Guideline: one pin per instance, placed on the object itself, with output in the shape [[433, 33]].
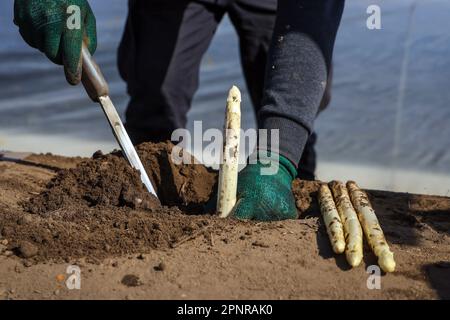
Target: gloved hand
[[266, 197], [44, 25]]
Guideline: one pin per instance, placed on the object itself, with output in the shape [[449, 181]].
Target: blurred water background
[[388, 125]]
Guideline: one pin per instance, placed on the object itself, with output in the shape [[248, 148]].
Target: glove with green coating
[[58, 29], [266, 197]]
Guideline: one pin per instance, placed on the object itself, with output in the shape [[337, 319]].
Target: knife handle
[[93, 80]]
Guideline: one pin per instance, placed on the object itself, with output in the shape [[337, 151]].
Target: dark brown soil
[[106, 180], [101, 208], [188, 187], [130, 280], [97, 232]]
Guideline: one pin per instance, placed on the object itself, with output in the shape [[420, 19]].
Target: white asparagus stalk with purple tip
[[352, 228], [331, 218], [371, 226]]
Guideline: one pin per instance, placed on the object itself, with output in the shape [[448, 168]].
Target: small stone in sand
[[27, 249], [160, 267], [27, 264], [260, 244], [8, 253]]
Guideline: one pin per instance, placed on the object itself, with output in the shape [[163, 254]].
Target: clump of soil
[[131, 280], [104, 180], [108, 180], [187, 186], [100, 207], [306, 193]]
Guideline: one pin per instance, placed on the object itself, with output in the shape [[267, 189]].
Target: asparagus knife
[[98, 90]]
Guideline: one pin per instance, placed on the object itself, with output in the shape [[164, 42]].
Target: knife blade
[[98, 90]]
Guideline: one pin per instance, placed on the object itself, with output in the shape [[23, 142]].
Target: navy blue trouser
[[160, 55]]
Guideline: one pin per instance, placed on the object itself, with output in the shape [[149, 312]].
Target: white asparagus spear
[[228, 174], [371, 226], [352, 227], [332, 220]]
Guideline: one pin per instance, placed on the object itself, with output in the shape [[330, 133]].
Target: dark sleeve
[[297, 70]]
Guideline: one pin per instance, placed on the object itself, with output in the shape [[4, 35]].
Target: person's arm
[[58, 29], [296, 78], [297, 73]]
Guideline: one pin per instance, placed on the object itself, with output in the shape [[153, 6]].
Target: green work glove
[[55, 28], [266, 197]]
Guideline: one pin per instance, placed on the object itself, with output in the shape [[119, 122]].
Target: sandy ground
[[280, 260]]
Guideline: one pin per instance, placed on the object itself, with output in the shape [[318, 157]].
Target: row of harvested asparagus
[[345, 208]]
